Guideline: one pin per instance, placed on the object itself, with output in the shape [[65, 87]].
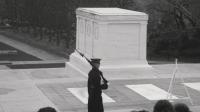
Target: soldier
[[95, 87], [95, 103]]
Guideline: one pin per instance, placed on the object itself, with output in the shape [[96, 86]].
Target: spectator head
[[47, 109], [181, 107], [163, 106], [139, 111], [143, 111]]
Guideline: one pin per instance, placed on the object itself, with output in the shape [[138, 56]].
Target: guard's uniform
[[95, 103]]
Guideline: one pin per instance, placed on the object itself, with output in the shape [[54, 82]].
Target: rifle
[[89, 61]]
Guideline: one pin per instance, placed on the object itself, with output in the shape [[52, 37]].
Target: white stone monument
[[115, 35]]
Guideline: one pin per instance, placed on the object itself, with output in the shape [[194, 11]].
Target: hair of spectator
[[47, 109], [181, 107], [163, 106]]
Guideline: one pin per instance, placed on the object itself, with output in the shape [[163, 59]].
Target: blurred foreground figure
[[163, 106], [139, 111], [47, 109], [181, 107]]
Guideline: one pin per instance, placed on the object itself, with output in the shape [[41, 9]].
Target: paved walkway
[[19, 91], [27, 90]]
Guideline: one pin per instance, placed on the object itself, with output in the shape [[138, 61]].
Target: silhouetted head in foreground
[[47, 109], [181, 107], [163, 106], [139, 111]]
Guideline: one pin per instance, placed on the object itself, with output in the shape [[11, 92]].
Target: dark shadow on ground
[[8, 53]]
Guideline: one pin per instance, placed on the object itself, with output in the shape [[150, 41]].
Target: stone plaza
[[27, 90]]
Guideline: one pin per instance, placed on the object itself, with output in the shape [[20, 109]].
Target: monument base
[[80, 64]]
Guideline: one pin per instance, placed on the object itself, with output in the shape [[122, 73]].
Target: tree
[[173, 23], [170, 10]]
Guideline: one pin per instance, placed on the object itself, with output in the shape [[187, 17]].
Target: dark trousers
[[95, 104]]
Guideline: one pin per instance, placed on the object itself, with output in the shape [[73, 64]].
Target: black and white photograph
[[99, 55]]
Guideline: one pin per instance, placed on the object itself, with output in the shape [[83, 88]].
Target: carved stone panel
[[88, 44]]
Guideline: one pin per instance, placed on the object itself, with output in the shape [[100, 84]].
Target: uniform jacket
[[95, 103]]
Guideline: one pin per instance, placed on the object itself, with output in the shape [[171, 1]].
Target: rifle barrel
[[89, 61]]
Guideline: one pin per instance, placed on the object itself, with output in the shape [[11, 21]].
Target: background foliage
[[173, 27]]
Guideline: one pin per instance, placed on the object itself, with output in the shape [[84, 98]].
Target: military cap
[[95, 60]]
